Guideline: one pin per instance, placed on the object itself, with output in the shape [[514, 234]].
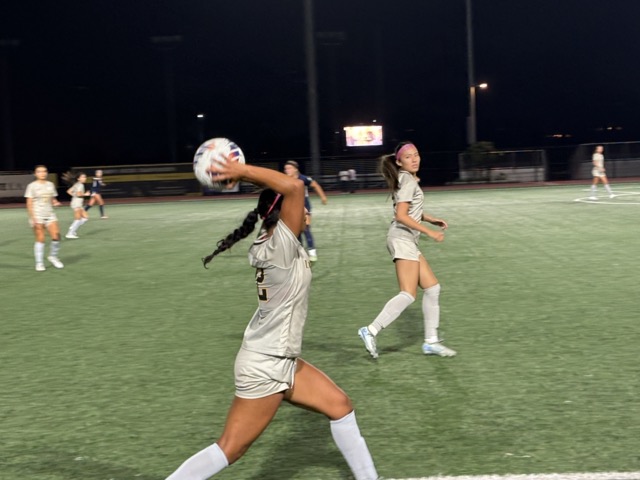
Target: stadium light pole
[[312, 88], [471, 81], [6, 133], [473, 120], [167, 44]]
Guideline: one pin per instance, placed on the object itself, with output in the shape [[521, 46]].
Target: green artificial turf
[[120, 366]]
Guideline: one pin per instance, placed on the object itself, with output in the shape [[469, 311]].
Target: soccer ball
[[212, 151]]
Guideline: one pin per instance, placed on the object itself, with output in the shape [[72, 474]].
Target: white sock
[[55, 248], [390, 312], [608, 188], [593, 189], [431, 313], [38, 252], [74, 227], [204, 464], [347, 436]]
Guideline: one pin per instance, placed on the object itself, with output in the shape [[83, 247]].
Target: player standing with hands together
[[412, 269]]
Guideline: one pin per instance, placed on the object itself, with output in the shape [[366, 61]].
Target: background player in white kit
[[599, 173], [77, 193], [268, 369], [41, 198], [412, 269]]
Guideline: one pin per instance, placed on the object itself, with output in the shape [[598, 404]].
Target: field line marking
[[545, 476]]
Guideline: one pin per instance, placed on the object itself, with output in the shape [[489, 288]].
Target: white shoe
[[313, 258], [71, 235], [593, 198], [55, 261], [438, 349], [369, 341], [40, 267], [612, 195], [104, 217]]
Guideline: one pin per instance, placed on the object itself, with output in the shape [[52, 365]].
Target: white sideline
[[547, 476]]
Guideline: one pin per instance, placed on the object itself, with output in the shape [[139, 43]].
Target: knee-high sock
[[74, 227], [102, 210], [38, 251], [347, 436], [431, 312], [54, 248], [202, 465], [390, 312]]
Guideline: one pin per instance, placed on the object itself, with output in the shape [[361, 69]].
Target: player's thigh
[[246, 420], [38, 231], [315, 391], [408, 273], [54, 230], [427, 277]]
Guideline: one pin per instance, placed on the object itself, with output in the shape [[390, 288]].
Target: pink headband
[[399, 152], [272, 205]]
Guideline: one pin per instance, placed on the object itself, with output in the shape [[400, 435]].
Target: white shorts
[[77, 203], [258, 375], [402, 248], [45, 219], [596, 172]]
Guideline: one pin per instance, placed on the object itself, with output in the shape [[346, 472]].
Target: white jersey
[[42, 194], [408, 191], [598, 165], [77, 194], [283, 277]]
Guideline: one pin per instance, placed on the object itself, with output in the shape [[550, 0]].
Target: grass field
[[119, 366]]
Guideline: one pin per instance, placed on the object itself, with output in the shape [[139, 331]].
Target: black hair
[[388, 168], [70, 177], [268, 209]]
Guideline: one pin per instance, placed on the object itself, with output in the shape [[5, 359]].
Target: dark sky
[[88, 86]]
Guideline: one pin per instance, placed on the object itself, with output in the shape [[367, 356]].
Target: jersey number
[[262, 292]]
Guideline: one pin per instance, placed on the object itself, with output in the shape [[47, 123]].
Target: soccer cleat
[[612, 195], [71, 235], [40, 267], [104, 216], [369, 341], [313, 258], [55, 261], [593, 198], [437, 348]]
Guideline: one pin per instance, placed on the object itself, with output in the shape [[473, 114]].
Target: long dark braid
[[268, 209]]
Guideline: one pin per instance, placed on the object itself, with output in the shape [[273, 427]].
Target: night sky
[[86, 84]]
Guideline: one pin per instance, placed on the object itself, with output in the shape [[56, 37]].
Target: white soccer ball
[[214, 150]]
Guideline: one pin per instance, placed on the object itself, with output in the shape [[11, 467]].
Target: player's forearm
[[273, 179]]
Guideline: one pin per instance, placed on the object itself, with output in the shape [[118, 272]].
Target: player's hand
[[230, 169], [436, 235], [440, 223]]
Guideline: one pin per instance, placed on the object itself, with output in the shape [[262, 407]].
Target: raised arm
[[292, 211]]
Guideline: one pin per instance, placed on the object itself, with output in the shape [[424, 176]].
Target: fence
[[622, 159]]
